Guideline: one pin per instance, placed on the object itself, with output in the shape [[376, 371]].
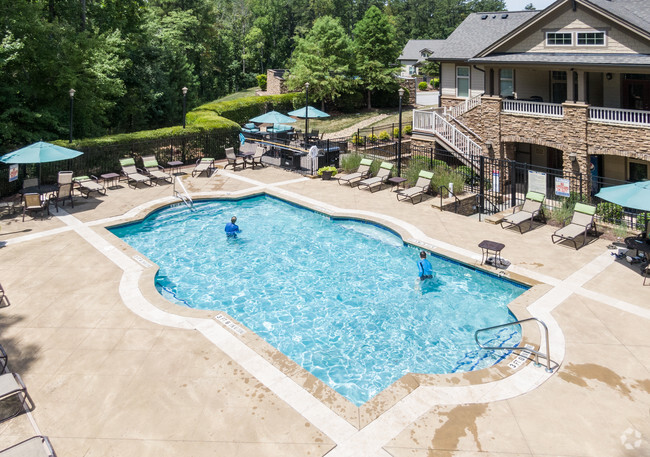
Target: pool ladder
[[547, 356], [184, 196]]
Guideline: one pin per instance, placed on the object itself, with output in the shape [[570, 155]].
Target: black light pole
[[184, 89], [399, 138], [71, 92], [306, 111]]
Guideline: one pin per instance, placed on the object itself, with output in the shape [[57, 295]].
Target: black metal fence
[[98, 160]]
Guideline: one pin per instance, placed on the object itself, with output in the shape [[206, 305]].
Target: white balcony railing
[[619, 116], [423, 120], [457, 140], [535, 108], [462, 108]]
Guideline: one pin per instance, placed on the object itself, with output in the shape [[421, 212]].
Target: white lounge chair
[[88, 184], [204, 164], [377, 181], [12, 386], [581, 222], [531, 208], [36, 446], [133, 175], [154, 170], [362, 172], [420, 188]]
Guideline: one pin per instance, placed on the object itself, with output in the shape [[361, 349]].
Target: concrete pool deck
[[111, 375]]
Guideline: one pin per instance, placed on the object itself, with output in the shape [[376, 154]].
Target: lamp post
[[306, 111], [184, 90], [399, 137], [71, 92]]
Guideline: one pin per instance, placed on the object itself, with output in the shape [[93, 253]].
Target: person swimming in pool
[[425, 270], [232, 229]]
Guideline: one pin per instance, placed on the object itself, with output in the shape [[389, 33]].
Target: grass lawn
[[241, 94]]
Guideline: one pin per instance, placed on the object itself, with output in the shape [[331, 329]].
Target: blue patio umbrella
[[308, 111], [40, 152], [635, 195], [272, 117]]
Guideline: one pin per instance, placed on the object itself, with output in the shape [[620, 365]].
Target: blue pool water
[[339, 297]]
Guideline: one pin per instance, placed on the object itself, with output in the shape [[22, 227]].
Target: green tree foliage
[[375, 50], [323, 59]]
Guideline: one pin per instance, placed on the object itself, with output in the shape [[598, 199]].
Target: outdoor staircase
[[461, 145]]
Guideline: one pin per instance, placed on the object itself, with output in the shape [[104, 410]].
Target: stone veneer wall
[[275, 83], [627, 141], [410, 85]]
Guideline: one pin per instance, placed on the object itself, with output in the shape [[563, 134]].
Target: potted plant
[[326, 173]]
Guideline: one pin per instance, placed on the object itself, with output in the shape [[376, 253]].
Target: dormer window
[[559, 38], [425, 54], [590, 38]]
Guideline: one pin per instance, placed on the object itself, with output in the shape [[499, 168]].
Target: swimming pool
[[339, 297]]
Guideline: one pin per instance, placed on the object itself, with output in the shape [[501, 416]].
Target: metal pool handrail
[[547, 356], [183, 195]]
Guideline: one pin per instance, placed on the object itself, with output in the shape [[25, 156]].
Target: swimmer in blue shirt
[[232, 229], [425, 270]]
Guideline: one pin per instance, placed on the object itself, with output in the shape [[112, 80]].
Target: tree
[[529, 7], [376, 49], [322, 58]]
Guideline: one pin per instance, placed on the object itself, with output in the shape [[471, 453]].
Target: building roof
[[636, 12], [567, 58], [413, 48], [464, 42]]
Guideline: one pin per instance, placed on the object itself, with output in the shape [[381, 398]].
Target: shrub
[[423, 86], [384, 136], [330, 169], [561, 214], [408, 129], [436, 83], [610, 212], [350, 162], [442, 177], [374, 167], [412, 171], [396, 132], [357, 140], [470, 175], [641, 220], [372, 138], [242, 109], [261, 81]]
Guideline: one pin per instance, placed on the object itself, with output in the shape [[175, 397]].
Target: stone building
[[567, 87]]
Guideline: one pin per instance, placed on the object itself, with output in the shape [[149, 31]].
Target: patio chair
[[420, 189], [63, 193], [256, 159], [36, 446], [204, 164], [233, 159], [362, 172], [154, 170], [134, 176], [88, 184], [12, 386], [581, 222], [30, 182], [531, 208], [64, 177], [10, 204], [33, 203], [377, 181]]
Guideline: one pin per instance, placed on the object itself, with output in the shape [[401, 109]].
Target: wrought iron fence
[[98, 160]]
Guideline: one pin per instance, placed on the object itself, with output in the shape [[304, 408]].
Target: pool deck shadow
[[112, 366]]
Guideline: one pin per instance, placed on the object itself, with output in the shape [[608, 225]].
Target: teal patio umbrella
[[272, 117], [308, 111], [40, 152], [635, 195]]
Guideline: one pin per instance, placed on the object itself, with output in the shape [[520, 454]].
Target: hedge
[[243, 109]]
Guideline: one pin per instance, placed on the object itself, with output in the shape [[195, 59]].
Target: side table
[[175, 165], [396, 182], [487, 246], [110, 179]]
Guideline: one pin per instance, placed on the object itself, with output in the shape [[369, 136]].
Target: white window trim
[[468, 77], [511, 79], [558, 32], [592, 45]]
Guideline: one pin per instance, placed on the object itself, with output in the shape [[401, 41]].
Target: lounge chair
[[204, 164], [420, 189], [377, 181], [362, 172], [88, 184], [154, 170], [12, 386], [3, 355], [36, 446], [33, 202], [256, 159], [645, 271], [134, 176], [233, 159], [531, 208], [63, 193], [581, 222]]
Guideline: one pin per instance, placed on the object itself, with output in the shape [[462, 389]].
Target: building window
[[638, 171], [591, 38], [424, 54], [559, 39], [462, 81], [507, 82], [411, 70]]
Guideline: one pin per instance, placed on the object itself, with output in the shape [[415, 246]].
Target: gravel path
[[346, 133]]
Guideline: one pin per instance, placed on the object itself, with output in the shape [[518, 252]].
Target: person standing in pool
[[232, 229], [425, 270]]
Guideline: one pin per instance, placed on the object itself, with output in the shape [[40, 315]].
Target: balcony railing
[[619, 116], [535, 108], [462, 108], [423, 120]]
